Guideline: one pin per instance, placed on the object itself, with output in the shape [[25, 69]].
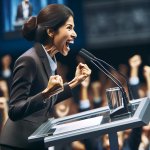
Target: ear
[[50, 33]]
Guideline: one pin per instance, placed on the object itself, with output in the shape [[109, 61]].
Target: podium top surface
[[48, 131]]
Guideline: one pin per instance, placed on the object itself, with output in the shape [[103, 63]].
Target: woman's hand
[[55, 86], [82, 72]]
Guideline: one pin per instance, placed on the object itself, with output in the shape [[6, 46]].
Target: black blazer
[[27, 109], [20, 11]]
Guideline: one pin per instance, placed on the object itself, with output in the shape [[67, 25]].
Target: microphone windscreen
[[85, 56], [87, 53]]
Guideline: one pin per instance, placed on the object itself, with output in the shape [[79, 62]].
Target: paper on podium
[[71, 126]]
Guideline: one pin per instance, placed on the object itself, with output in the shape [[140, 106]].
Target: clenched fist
[[82, 72], [55, 86]]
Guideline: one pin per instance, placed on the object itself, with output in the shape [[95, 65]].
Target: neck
[[51, 50]]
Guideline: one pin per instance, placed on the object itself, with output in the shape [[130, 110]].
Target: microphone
[[124, 77], [103, 69], [85, 56], [97, 62]]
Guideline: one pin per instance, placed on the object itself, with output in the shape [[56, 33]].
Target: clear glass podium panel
[[91, 123]]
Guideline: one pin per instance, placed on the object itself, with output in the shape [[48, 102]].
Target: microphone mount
[[98, 63], [102, 61]]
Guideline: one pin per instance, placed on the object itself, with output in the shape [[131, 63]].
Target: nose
[[74, 34]]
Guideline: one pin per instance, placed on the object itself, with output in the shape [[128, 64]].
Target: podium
[[51, 137]]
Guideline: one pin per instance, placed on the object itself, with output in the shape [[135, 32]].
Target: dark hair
[[52, 16]]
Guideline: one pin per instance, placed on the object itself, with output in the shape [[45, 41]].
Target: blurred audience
[[106, 144], [84, 103], [3, 103], [146, 74], [66, 108], [6, 67], [145, 138], [134, 63], [63, 108], [96, 94], [90, 94], [6, 71]]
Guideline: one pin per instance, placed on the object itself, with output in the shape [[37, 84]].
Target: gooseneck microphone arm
[[103, 69], [125, 99], [100, 60], [94, 61]]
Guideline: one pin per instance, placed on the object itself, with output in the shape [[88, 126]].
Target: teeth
[[68, 47], [71, 42]]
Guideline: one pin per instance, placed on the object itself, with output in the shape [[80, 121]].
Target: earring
[[51, 35]]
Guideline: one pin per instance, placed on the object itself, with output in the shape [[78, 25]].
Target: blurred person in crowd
[[24, 10], [84, 105], [123, 69], [81, 98], [63, 108], [4, 89], [106, 144], [6, 70], [96, 94], [35, 88], [77, 145], [130, 134], [66, 107], [77, 89], [134, 63], [84, 102], [146, 74], [145, 137], [125, 138], [3, 103], [98, 89]]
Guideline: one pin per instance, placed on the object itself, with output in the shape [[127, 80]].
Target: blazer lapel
[[41, 53]]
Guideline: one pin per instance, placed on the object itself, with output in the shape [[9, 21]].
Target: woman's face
[[64, 36]]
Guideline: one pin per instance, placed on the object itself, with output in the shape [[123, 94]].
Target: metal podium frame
[[139, 117]]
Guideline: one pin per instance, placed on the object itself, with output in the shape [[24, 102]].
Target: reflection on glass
[[114, 98]]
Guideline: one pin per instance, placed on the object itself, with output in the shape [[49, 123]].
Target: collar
[[51, 61]]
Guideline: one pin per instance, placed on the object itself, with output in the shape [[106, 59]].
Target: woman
[[35, 86]]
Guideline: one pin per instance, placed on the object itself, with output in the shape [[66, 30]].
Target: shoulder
[[28, 58], [26, 64], [32, 56]]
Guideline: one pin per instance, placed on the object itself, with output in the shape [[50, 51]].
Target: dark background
[[113, 30]]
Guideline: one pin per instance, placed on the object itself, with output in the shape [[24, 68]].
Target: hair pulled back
[[51, 17]]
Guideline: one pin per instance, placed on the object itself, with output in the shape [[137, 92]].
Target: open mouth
[[67, 44]]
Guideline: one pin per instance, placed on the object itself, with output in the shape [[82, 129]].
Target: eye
[[69, 28]]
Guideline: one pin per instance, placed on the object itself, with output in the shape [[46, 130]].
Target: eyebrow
[[70, 25]]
